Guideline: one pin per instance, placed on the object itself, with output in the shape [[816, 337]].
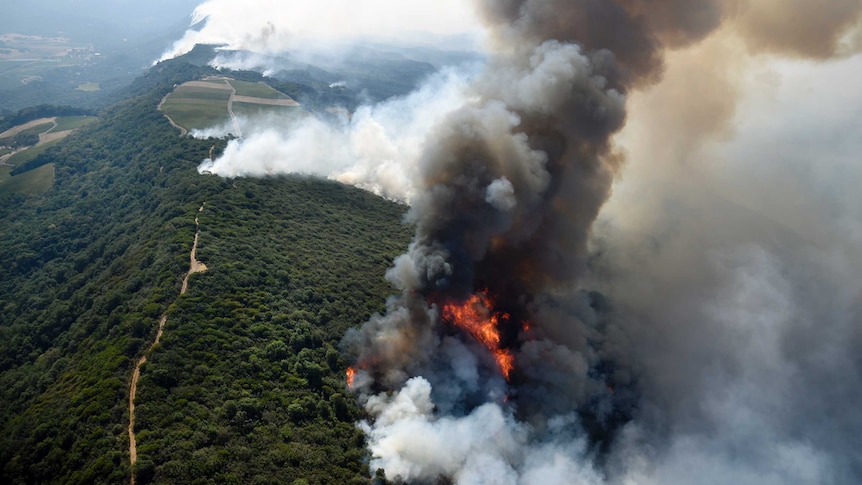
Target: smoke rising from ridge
[[541, 133], [273, 26], [689, 316]]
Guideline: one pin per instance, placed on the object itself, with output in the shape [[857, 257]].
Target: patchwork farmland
[[226, 103], [20, 145]]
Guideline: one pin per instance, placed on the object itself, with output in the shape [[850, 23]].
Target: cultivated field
[[214, 102], [50, 131], [256, 90], [88, 87], [8, 137], [29, 154], [198, 105], [72, 122], [11, 132], [36, 181], [252, 110], [24, 58]]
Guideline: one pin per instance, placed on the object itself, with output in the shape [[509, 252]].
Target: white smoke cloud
[[487, 446], [274, 26], [501, 194], [377, 148]]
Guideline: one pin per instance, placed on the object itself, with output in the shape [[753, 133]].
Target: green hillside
[[246, 385]]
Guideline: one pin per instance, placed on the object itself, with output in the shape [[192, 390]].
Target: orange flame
[[351, 374], [477, 317]]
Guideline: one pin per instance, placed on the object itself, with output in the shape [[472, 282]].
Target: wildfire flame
[[475, 315], [351, 374]]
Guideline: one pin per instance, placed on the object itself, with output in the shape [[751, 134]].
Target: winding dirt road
[[233, 117], [195, 266], [183, 131]]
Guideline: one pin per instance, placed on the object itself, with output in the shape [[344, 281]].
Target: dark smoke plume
[[512, 184]]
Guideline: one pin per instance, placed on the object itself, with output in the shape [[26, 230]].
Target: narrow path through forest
[[195, 266], [183, 131]]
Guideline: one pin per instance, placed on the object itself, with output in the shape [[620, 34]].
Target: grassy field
[[196, 113], [30, 153], [256, 90], [38, 129], [203, 104], [35, 130], [88, 87], [4, 172], [197, 107], [36, 181], [73, 122], [249, 110]]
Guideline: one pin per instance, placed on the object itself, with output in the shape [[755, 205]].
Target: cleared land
[[198, 105], [266, 101], [26, 126], [88, 87], [38, 130], [256, 90], [50, 131], [252, 110], [217, 101], [36, 181], [73, 122], [30, 153]]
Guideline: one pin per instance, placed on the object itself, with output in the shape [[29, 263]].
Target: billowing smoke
[[637, 244], [489, 333], [276, 26], [376, 148], [523, 349]]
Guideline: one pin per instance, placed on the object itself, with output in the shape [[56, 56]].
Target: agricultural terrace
[[21, 144], [214, 102]]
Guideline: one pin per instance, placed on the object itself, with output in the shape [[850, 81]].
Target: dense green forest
[[247, 383]]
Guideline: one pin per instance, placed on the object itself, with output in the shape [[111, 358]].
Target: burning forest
[[512, 184], [565, 315], [493, 341]]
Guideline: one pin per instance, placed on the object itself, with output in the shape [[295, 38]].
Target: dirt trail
[[183, 131], [195, 266], [50, 136], [30, 124], [44, 137], [230, 109]]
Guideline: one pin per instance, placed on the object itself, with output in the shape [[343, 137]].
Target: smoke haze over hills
[[655, 204]]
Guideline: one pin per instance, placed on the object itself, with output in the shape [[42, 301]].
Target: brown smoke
[[798, 27], [512, 185]]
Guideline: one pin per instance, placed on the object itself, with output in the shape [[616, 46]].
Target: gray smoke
[[700, 344]]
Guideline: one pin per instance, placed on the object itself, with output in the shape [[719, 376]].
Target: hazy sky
[[85, 20]]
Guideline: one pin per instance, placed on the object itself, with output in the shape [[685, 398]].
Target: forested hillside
[[246, 385]]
